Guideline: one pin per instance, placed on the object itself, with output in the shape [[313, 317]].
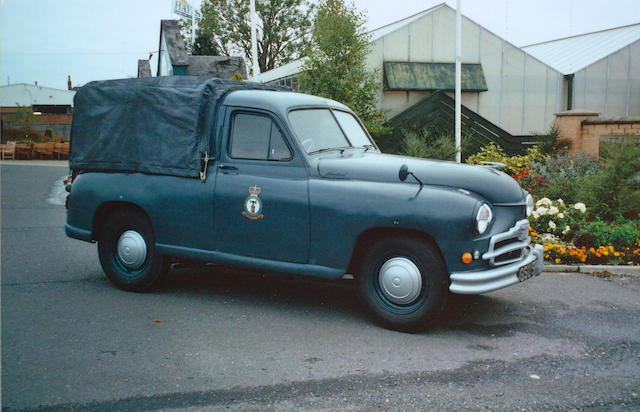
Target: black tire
[[430, 298], [145, 275]]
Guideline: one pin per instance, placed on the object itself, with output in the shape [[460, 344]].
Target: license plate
[[525, 272]]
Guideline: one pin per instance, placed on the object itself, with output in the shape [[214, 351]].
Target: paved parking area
[[214, 338]]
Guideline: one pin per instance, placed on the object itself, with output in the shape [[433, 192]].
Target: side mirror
[[403, 173]]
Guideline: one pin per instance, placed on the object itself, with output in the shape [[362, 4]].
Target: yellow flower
[[557, 260], [610, 248]]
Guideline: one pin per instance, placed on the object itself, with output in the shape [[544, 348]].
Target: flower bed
[[599, 220], [603, 255], [558, 227]]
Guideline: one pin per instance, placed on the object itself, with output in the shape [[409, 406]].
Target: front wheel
[[403, 283], [127, 252]]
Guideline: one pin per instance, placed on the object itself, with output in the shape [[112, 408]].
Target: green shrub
[[561, 176], [428, 144], [514, 165], [614, 190], [551, 142], [619, 234], [20, 134]]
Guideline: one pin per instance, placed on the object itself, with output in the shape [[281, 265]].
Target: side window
[[257, 137]]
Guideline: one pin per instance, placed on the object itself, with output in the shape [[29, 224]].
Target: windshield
[[323, 129]]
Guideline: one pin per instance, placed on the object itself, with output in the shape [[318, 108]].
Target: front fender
[[341, 210]]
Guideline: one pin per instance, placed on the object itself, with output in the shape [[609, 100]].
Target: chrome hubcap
[[400, 280], [132, 249]]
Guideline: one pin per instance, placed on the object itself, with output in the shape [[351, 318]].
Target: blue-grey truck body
[[299, 207]]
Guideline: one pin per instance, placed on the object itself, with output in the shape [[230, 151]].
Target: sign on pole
[[183, 8]]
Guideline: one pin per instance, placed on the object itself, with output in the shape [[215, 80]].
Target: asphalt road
[[214, 338]]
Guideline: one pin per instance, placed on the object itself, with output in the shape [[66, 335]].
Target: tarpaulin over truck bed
[[160, 125]]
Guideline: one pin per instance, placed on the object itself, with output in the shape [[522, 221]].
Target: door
[[261, 206]]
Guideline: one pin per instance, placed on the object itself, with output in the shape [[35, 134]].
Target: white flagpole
[[255, 69], [458, 119], [193, 26]]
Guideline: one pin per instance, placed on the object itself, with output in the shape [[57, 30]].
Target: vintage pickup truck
[[248, 175]]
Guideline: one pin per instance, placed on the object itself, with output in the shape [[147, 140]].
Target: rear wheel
[[403, 283], [126, 247]]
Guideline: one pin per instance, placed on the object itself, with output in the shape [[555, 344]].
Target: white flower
[[552, 225], [560, 215], [549, 238], [535, 215], [580, 206], [553, 210], [560, 202], [542, 210], [566, 230], [543, 202]]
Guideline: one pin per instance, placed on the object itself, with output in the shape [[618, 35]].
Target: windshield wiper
[[368, 146], [329, 149]]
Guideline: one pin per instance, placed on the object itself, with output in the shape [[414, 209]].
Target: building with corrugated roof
[[53, 107], [602, 69], [507, 91]]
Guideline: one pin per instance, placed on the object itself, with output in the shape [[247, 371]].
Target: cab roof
[[278, 101]]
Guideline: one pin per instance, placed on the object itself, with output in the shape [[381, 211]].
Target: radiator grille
[[508, 247]]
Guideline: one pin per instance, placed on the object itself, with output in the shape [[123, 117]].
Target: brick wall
[[586, 130], [60, 124]]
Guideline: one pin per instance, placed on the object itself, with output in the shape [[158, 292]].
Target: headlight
[[529, 201], [483, 218]]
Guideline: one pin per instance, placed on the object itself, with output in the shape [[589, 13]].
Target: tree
[[336, 66], [23, 115], [204, 44], [283, 29]]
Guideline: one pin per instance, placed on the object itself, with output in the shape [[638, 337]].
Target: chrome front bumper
[[471, 283]]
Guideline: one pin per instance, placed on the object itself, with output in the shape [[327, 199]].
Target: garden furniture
[[8, 150], [24, 150]]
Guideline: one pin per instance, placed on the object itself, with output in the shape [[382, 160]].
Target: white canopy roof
[[23, 94], [571, 54]]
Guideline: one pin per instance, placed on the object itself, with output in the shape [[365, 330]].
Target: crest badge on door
[[253, 204]]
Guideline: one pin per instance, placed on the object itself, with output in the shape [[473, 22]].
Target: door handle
[[226, 167]]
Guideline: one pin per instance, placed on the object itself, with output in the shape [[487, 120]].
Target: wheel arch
[[106, 209], [370, 236]]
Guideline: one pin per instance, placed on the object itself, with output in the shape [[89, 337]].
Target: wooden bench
[[24, 151], [43, 150], [8, 150], [61, 150]]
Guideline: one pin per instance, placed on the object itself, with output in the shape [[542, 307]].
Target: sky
[[47, 40]]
